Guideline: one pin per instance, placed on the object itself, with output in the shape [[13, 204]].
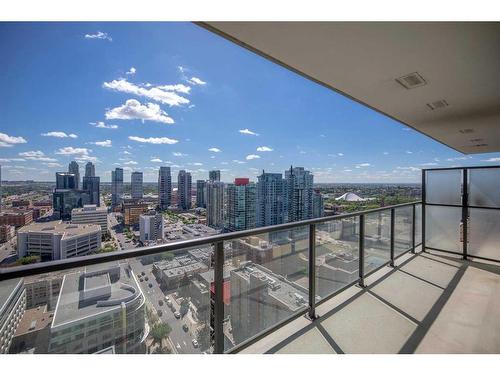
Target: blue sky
[[142, 95]]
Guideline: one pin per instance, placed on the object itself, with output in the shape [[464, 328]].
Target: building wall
[[11, 314]]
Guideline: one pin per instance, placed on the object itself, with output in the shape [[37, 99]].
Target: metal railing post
[[465, 212], [393, 221], [361, 251], [423, 211], [312, 272], [218, 310], [413, 226]]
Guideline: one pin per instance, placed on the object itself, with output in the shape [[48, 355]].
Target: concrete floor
[[429, 303]]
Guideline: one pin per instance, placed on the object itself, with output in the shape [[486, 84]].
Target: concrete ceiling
[[460, 63]]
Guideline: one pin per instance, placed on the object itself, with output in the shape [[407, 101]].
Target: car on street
[[143, 273], [160, 313], [195, 343], [169, 303], [150, 285], [146, 278], [185, 327], [141, 279], [177, 315], [160, 303]]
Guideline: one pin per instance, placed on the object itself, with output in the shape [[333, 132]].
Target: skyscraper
[[318, 204], [164, 188], [65, 180], [91, 185], [74, 168], [299, 185], [214, 175], [117, 186], [184, 190], [241, 205], [271, 199], [201, 193], [89, 169], [215, 204], [136, 186], [151, 226]]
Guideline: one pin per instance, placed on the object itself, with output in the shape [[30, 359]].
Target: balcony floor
[[429, 303]]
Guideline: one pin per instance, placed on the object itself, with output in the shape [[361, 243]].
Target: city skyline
[[107, 93]]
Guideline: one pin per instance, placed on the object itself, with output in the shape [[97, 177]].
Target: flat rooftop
[[428, 303], [59, 227], [114, 283]]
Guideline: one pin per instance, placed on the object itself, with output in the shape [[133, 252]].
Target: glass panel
[[403, 229], [153, 304], [418, 224], [484, 233], [377, 239], [483, 187], [442, 228], [337, 255], [265, 281], [444, 187]]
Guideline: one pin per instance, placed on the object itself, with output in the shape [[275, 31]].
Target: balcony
[[413, 278]]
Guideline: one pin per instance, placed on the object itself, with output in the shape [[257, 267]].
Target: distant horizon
[[143, 95]]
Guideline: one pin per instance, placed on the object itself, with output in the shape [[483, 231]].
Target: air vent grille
[[466, 131], [438, 104], [411, 80]]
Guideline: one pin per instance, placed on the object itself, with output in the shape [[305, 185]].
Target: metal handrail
[[217, 241], [65, 264]]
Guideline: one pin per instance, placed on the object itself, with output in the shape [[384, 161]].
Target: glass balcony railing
[[213, 295]]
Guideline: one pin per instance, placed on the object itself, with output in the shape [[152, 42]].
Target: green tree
[[159, 332]]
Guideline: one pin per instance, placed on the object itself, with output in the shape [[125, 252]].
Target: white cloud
[[83, 158], [385, 153], [131, 71], [412, 169], [178, 154], [459, 158], [214, 149], [409, 152], [73, 151], [106, 143], [156, 160], [102, 125], [133, 110], [131, 162], [9, 141], [164, 94], [126, 153], [362, 165], [264, 149], [492, 160], [53, 165], [252, 156], [195, 164], [248, 132], [340, 154], [153, 140], [429, 164], [239, 162], [99, 35], [196, 81], [179, 87], [8, 160], [36, 155], [347, 170], [57, 134]]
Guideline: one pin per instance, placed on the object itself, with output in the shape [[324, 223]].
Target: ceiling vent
[[438, 104], [412, 80], [466, 131]]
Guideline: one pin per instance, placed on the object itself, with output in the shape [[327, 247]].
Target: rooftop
[[60, 228], [96, 290]]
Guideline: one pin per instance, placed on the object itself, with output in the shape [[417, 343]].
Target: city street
[[180, 338], [8, 252]]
